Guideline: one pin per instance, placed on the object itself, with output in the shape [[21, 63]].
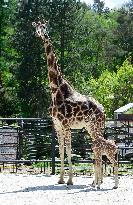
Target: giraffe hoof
[[93, 184], [98, 188], [61, 181], [115, 187], [69, 182]]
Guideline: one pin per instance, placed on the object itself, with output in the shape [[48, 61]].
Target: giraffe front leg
[[98, 171], [61, 151], [101, 174], [116, 170], [95, 181], [116, 175], [68, 151]]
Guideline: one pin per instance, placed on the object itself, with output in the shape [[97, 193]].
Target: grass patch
[[78, 168]]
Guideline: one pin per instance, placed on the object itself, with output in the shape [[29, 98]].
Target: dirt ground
[[40, 189]]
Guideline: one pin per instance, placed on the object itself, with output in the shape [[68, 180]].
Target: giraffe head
[[41, 28]]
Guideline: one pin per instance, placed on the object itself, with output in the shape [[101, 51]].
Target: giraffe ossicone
[[69, 109]]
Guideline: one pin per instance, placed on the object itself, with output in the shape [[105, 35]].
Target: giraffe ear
[[34, 24], [45, 23]]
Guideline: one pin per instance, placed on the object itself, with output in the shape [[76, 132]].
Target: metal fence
[[32, 140]]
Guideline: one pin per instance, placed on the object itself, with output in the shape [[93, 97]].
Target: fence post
[[20, 139], [53, 150]]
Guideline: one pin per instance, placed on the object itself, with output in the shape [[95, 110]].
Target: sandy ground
[[20, 189]]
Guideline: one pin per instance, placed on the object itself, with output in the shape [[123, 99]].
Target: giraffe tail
[[117, 156]]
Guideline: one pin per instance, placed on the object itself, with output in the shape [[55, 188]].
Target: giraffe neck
[[54, 73], [95, 135]]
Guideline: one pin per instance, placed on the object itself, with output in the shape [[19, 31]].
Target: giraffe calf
[[101, 147]]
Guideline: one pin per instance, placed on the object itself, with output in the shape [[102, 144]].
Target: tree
[[123, 90], [88, 44], [113, 90], [31, 72], [123, 37], [93, 44], [98, 6], [9, 103], [63, 20]]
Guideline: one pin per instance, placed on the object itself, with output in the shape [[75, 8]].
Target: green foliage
[[31, 72], [123, 91], [122, 34], [114, 90], [91, 45], [63, 16], [98, 6], [103, 89], [9, 103], [130, 111]]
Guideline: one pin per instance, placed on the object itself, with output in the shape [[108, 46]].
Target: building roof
[[124, 108]]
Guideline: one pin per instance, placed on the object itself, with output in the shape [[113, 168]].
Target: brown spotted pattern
[[69, 109], [101, 147]]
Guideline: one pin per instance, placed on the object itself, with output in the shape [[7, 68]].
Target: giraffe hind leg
[[115, 165], [116, 175], [98, 173], [61, 151], [68, 151]]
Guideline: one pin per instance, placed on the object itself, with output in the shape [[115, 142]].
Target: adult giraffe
[[69, 109]]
